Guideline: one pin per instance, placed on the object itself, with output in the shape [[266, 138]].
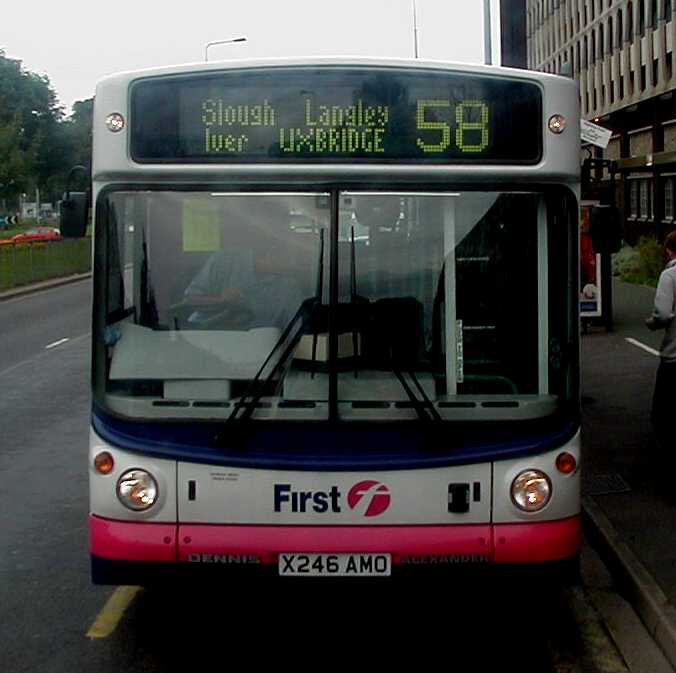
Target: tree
[[80, 131], [33, 146]]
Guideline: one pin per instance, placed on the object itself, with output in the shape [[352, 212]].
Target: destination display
[[335, 114]]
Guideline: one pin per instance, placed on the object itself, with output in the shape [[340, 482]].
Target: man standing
[[664, 397]]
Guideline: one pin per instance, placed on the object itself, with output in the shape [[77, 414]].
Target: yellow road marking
[[109, 617]]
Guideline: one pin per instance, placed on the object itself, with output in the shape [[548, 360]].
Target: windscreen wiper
[[258, 385], [424, 408], [303, 317]]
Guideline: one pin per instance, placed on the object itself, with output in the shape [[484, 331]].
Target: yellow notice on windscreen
[[201, 231]]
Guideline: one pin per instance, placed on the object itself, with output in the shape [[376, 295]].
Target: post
[[513, 42], [488, 47], [415, 31], [228, 41]]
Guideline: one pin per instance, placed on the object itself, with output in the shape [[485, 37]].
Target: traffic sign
[[7, 220], [594, 134]]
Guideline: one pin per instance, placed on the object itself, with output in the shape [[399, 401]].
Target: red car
[[37, 234]]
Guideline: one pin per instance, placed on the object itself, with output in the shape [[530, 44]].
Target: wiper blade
[[258, 385]]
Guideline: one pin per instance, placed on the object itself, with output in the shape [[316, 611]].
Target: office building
[[621, 53]]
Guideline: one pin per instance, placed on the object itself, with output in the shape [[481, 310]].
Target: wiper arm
[[425, 409], [257, 387], [307, 309], [428, 402]]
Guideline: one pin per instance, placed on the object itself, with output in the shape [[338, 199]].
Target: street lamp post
[[488, 47], [415, 31], [228, 41]]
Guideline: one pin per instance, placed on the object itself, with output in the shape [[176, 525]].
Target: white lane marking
[[57, 343], [30, 360], [638, 344]]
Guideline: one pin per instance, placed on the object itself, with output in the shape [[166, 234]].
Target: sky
[[77, 42]]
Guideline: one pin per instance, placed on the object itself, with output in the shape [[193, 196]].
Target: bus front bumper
[[131, 544]]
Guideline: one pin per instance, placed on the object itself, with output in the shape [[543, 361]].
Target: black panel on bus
[[336, 114]]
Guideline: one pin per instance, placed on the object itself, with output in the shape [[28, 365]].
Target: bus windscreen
[[336, 114]]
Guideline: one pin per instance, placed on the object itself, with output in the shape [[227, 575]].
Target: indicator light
[[104, 463], [566, 463]]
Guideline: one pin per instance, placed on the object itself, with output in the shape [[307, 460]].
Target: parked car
[[37, 234]]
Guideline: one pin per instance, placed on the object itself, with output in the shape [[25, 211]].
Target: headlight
[[137, 490], [531, 490]]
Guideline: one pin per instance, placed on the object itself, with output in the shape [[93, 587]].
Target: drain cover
[[603, 484]]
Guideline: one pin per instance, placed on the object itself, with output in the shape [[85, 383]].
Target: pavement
[[22, 290], [629, 496]]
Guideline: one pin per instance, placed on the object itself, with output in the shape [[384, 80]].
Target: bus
[[335, 320]]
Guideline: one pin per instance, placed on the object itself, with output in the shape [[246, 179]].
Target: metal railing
[[27, 262]]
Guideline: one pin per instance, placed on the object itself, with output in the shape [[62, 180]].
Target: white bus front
[[319, 356]]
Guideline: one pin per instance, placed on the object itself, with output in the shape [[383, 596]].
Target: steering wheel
[[222, 315]]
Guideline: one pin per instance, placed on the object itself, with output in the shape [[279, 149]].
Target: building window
[[641, 17], [645, 211], [630, 22], [669, 198], [633, 199], [669, 66], [585, 52], [667, 10], [610, 35], [620, 37], [656, 71]]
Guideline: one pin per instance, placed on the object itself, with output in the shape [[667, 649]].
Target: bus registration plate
[[335, 565]]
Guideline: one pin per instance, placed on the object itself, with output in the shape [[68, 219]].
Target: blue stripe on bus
[[344, 446]]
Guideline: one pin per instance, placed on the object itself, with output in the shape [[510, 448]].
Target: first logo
[[371, 497]]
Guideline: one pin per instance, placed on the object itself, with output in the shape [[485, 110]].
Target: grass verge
[[24, 263]]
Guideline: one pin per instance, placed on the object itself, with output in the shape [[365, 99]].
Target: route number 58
[[471, 125]]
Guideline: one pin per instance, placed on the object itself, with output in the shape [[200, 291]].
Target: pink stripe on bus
[[534, 542], [132, 541], [502, 543], [267, 542]]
